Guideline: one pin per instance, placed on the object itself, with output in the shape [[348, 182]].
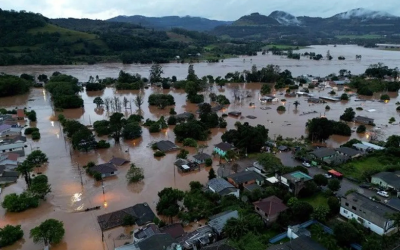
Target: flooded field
[[297, 67], [69, 197]]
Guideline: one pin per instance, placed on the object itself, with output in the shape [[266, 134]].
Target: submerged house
[[223, 147], [105, 169], [201, 158], [364, 120], [222, 187]]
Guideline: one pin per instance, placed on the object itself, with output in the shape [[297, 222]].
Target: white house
[[371, 214]]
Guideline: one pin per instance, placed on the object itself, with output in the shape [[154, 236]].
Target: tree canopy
[[50, 231], [247, 137]]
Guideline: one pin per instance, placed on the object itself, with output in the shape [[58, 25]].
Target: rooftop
[[363, 118], [271, 205], [104, 168], [218, 221], [219, 245], [166, 146], [348, 151], [4, 127], [200, 235], [175, 230], [391, 178], [219, 184], [252, 187], [224, 146], [394, 203], [12, 146], [300, 243], [184, 115], [20, 113], [202, 156], [375, 211], [296, 176], [323, 152], [245, 176], [180, 162], [118, 161]]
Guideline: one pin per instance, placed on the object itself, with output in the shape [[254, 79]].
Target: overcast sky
[[215, 9]]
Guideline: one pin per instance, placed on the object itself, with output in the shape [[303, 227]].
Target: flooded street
[[69, 197], [297, 67]]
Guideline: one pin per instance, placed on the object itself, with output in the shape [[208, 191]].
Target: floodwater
[[69, 197], [297, 67]]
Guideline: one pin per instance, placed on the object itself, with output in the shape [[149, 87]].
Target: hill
[[29, 38], [169, 22]]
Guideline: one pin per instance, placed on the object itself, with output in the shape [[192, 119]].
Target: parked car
[[328, 176], [383, 193], [306, 164], [365, 185]]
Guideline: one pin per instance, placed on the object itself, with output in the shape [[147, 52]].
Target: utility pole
[[80, 174]]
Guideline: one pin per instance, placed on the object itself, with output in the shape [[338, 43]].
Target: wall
[[379, 181]]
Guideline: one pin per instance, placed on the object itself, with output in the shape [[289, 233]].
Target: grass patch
[[316, 200], [179, 38], [359, 37], [356, 168]]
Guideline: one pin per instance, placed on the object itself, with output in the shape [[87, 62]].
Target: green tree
[[155, 73], [348, 115], [302, 209], [50, 231], [98, 101], [183, 153], [320, 213], [344, 97], [345, 233], [334, 185], [236, 228], [36, 158], [132, 130], [334, 205], [32, 116], [134, 174], [281, 108], [191, 74], [265, 89], [385, 97], [10, 234], [393, 141], [168, 202], [211, 174], [320, 180], [116, 124], [18, 203], [246, 137], [208, 162], [139, 100], [128, 220], [83, 139], [361, 129], [25, 168], [372, 243], [270, 163], [40, 186]]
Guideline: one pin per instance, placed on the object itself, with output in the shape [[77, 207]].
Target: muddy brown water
[[68, 197]]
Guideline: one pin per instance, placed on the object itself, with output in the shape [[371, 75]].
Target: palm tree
[[296, 103], [25, 168]]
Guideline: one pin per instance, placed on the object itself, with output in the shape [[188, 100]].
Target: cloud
[[215, 9]]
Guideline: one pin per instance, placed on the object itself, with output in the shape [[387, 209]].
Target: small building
[[201, 158], [295, 181], [315, 100], [269, 208], [223, 147], [299, 243], [11, 147], [118, 161], [235, 113], [364, 120], [387, 180], [350, 152], [105, 169], [20, 114], [145, 232], [18, 139], [222, 187], [9, 161], [8, 177], [323, 153], [218, 221], [245, 178], [166, 146], [141, 212], [189, 167], [370, 214]]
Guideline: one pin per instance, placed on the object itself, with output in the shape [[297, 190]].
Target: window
[[347, 204], [112, 172], [345, 211], [258, 209], [354, 208]]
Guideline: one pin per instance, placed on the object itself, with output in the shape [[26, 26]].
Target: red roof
[[20, 113], [271, 205], [12, 156], [335, 173]]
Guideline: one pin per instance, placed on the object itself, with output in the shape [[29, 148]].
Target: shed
[[323, 153]]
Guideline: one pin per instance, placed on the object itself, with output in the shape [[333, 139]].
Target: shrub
[[361, 129], [223, 124], [208, 162], [32, 116], [327, 107], [190, 142], [154, 128], [359, 108], [385, 97], [344, 97], [172, 111], [18, 203], [103, 144], [29, 131], [128, 220], [281, 109], [332, 92], [398, 108], [159, 154], [35, 135], [171, 120], [10, 234], [392, 119]]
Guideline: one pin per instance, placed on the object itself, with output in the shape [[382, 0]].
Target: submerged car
[[306, 164]]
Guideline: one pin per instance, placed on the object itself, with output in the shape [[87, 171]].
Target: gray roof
[[8, 179], [323, 152], [219, 184], [218, 221], [224, 146], [363, 118], [227, 191], [202, 156], [184, 115], [300, 243], [104, 168], [156, 242], [252, 187], [245, 176], [348, 151], [375, 212], [181, 162], [10, 174], [394, 203], [12, 146], [118, 161], [166, 146], [19, 138], [391, 178], [219, 245]]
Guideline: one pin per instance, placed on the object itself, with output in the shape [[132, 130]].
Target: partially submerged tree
[[51, 231], [10, 234], [134, 174], [98, 101]]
